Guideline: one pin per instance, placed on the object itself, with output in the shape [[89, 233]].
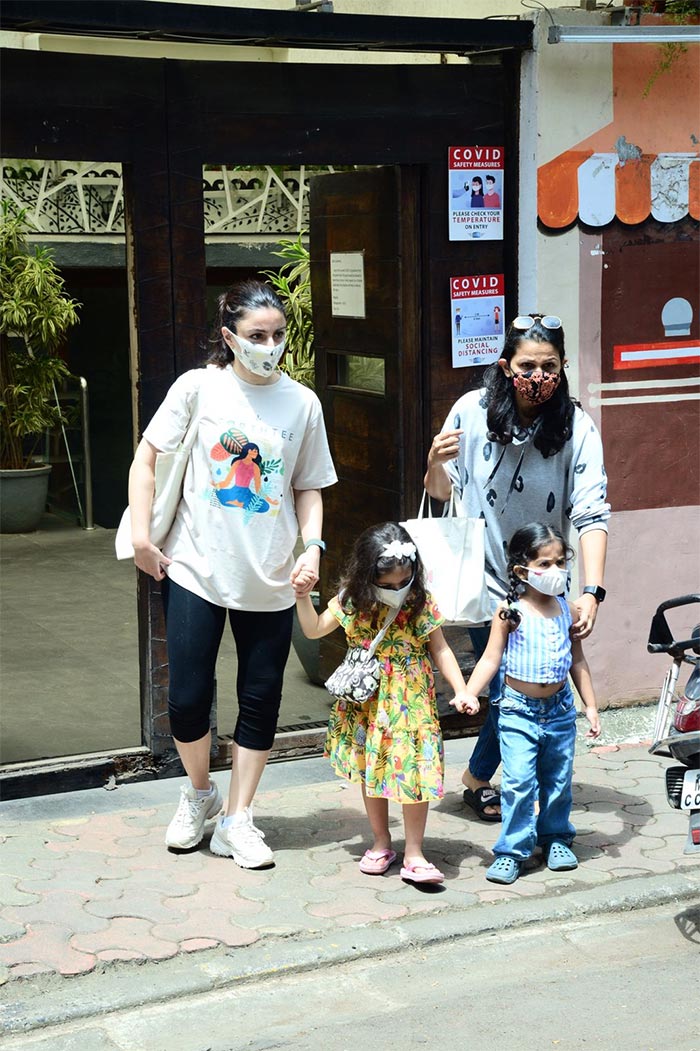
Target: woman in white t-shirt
[[253, 482]]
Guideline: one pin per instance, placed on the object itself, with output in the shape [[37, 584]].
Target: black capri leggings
[[194, 631]]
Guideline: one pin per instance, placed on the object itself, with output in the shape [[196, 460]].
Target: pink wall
[[653, 555]]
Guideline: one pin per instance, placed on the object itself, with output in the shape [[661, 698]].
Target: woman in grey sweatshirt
[[522, 450]]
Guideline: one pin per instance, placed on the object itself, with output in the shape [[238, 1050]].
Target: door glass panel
[[70, 681], [357, 372]]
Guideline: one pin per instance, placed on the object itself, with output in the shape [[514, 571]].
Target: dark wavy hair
[[245, 449], [525, 545], [366, 563], [234, 304], [556, 416]]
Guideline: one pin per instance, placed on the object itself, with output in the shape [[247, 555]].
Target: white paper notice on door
[[348, 284]]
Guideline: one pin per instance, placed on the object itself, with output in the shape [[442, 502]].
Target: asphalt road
[[620, 982]]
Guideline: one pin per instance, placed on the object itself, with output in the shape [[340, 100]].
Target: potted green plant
[[292, 283], [35, 315]]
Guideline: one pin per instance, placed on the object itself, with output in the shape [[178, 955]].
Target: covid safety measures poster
[[476, 311], [475, 193]]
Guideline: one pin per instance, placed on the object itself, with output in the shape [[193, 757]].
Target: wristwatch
[[315, 543], [596, 591]]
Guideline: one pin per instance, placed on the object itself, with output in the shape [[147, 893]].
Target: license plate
[[690, 795]]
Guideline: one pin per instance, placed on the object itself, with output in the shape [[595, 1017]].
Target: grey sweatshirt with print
[[511, 485]]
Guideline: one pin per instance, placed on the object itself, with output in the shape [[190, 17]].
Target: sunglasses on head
[[525, 322]]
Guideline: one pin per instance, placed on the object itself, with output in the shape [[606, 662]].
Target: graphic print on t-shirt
[[246, 471]]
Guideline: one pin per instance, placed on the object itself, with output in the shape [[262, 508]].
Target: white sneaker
[[187, 827], [242, 842]]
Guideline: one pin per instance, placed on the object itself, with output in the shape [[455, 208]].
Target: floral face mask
[[261, 360], [536, 386]]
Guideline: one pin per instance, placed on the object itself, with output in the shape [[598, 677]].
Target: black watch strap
[[596, 591]]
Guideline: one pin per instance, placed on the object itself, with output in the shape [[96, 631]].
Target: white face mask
[[262, 360], [550, 581], [394, 599]]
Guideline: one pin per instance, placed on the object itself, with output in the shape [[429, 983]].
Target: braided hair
[[511, 613], [524, 547]]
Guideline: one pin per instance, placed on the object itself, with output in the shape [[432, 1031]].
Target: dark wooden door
[[368, 369]]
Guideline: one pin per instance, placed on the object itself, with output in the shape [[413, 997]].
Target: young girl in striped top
[[537, 715]]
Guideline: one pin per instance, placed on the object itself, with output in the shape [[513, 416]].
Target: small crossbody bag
[[356, 680]]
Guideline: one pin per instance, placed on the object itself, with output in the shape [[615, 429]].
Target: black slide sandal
[[482, 798]]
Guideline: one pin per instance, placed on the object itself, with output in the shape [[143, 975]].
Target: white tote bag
[[452, 550], [169, 472]]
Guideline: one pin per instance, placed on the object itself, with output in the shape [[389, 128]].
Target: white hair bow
[[399, 551]]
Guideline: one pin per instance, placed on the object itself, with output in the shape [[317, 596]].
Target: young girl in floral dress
[[391, 745]]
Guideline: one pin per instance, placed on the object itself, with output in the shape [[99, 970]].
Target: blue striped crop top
[[539, 649]]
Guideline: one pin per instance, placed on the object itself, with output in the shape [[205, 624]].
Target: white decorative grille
[[66, 198], [85, 198], [267, 200]]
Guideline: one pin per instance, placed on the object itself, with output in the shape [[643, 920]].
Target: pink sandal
[[422, 873], [376, 862]]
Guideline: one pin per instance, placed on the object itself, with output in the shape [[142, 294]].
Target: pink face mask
[[536, 386]]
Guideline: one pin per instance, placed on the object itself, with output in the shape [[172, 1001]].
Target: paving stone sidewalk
[[85, 878]]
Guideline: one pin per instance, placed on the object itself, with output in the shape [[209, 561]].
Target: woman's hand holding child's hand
[[465, 702], [594, 720], [303, 581], [304, 576]]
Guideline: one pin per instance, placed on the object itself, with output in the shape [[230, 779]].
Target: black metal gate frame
[[162, 119], [198, 23]]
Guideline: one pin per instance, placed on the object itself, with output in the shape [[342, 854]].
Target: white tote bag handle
[[191, 432], [448, 511], [452, 550], [170, 469]]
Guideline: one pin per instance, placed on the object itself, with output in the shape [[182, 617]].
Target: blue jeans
[[537, 744], [486, 756]]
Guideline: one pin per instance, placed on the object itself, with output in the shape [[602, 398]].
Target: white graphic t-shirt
[[233, 538]]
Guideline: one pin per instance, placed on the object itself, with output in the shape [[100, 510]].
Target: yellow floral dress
[[393, 742]]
